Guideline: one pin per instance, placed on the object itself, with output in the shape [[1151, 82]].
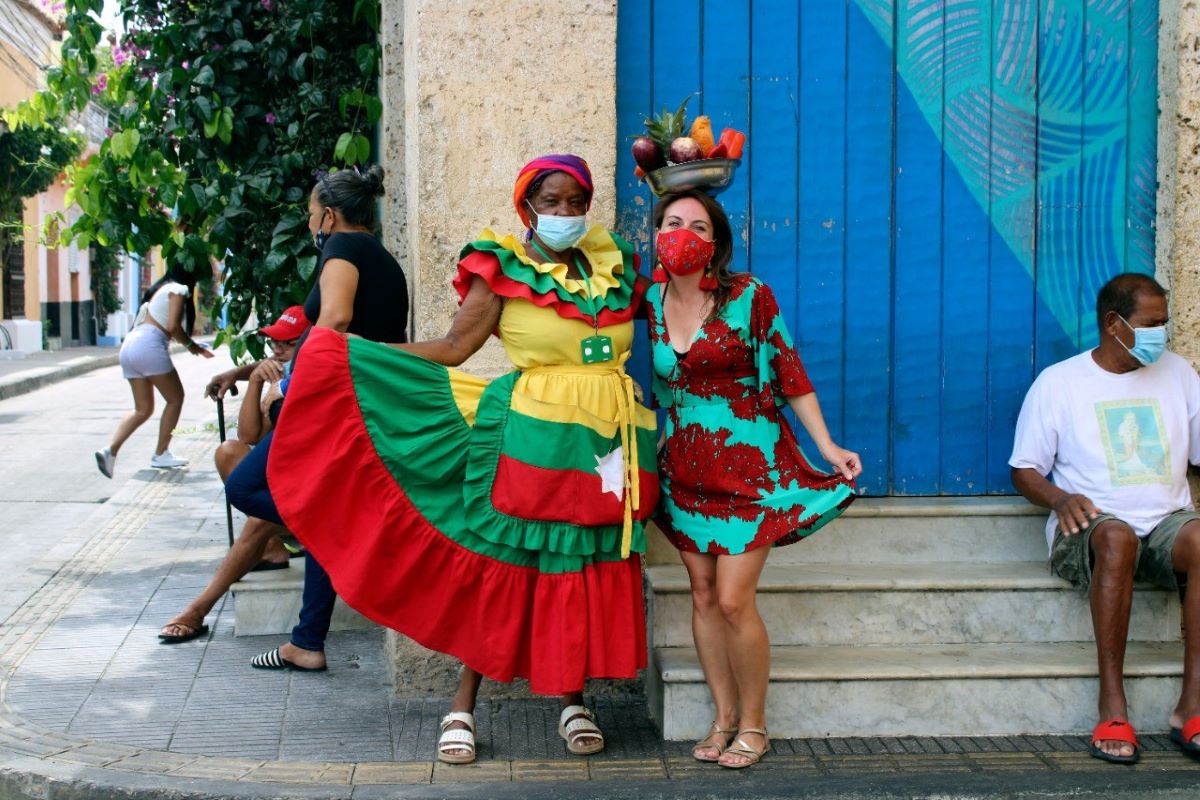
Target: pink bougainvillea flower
[[271, 118], [100, 85], [269, 5]]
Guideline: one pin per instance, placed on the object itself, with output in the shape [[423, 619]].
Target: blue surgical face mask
[[1148, 343], [560, 233]]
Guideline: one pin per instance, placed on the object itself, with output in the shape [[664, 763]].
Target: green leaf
[[204, 106], [276, 259], [374, 109], [210, 127], [125, 142], [241, 46], [288, 223], [305, 266], [343, 144], [200, 198], [366, 56], [225, 128], [205, 77], [363, 145], [296, 70]]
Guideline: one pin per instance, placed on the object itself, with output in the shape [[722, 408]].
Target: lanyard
[[591, 298]]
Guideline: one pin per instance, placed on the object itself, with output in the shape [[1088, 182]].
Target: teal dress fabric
[[732, 474]]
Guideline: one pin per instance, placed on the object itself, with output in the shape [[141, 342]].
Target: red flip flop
[[1184, 736], [1116, 730]]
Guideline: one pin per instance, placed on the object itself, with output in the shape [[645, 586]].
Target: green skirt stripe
[[558, 445], [440, 462], [564, 547]]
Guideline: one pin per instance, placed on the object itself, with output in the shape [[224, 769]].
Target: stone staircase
[[269, 602], [917, 617]]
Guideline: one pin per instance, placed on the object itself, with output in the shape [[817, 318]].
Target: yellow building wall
[[19, 79]]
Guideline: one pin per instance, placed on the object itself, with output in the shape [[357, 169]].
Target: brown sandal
[[709, 742], [740, 748]]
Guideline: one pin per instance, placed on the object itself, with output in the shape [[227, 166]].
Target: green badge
[[596, 349]]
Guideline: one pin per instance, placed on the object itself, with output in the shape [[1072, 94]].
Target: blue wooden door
[[935, 190]]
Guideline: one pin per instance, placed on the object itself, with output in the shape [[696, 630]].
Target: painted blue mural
[[934, 189]]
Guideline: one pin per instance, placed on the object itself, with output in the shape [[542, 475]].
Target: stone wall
[[1178, 224], [472, 90], [485, 88]]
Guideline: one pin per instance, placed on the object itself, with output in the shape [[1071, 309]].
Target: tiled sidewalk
[[86, 685]]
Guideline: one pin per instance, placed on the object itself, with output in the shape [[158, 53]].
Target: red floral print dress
[[732, 475]]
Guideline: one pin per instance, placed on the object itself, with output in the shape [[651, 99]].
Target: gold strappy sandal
[[710, 742], [740, 748]]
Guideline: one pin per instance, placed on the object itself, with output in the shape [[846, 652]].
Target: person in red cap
[[258, 413]]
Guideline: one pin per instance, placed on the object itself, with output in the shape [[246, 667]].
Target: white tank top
[[159, 306]]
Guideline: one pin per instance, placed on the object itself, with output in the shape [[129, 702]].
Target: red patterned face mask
[[683, 252]]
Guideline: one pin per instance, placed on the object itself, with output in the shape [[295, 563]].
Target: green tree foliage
[[105, 268], [31, 157], [221, 113]]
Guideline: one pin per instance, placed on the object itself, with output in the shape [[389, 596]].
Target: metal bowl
[[711, 175]]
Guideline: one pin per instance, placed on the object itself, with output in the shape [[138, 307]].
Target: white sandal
[[575, 723], [457, 738]]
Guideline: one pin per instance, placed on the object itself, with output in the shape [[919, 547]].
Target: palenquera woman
[[498, 522], [734, 481]]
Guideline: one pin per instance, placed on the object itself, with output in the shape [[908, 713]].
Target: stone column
[[1178, 224], [472, 90]]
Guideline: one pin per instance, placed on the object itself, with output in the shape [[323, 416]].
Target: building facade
[[45, 289]]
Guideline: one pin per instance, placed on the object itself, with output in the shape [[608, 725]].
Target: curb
[[24, 777], [18, 386], [12, 387]]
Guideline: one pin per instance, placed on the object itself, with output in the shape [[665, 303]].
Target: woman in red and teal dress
[[498, 522], [734, 481]]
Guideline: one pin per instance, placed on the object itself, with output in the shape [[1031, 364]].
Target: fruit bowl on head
[[709, 175]]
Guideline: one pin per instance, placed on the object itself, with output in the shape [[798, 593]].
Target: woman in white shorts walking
[[167, 312]]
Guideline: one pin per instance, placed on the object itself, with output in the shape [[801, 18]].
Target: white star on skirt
[[612, 472]]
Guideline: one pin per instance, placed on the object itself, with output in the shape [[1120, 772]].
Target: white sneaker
[[165, 460], [105, 460]]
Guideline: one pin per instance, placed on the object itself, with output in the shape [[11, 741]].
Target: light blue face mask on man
[[1148, 343], [560, 233]]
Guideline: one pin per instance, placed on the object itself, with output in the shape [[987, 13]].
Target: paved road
[[49, 484]]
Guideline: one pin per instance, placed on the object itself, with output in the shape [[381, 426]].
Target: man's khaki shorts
[[1071, 556]]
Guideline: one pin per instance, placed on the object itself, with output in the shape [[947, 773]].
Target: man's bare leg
[[1186, 560], [1114, 548], [247, 551]]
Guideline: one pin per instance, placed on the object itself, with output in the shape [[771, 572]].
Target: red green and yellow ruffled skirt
[[483, 520]]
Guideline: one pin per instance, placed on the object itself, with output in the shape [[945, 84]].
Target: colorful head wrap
[[574, 166]]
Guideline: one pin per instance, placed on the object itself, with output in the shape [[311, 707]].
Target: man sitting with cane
[[259, 546]]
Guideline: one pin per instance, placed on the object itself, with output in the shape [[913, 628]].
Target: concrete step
[[269, 602], [931, 690], [899, 604], [912, 530]]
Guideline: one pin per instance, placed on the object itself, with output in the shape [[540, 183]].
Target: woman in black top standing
[[360, 290]]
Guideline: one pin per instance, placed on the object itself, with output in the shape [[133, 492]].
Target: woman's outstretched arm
[[476, 319]]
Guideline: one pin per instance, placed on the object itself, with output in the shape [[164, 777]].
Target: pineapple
[[667, 127]]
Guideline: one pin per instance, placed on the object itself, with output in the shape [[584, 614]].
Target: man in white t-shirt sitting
[[1115, 429]]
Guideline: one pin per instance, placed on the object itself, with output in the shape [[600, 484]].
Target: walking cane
[[221, 427]]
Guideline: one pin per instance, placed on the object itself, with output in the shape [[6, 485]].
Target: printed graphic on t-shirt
[[1134, 444]]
